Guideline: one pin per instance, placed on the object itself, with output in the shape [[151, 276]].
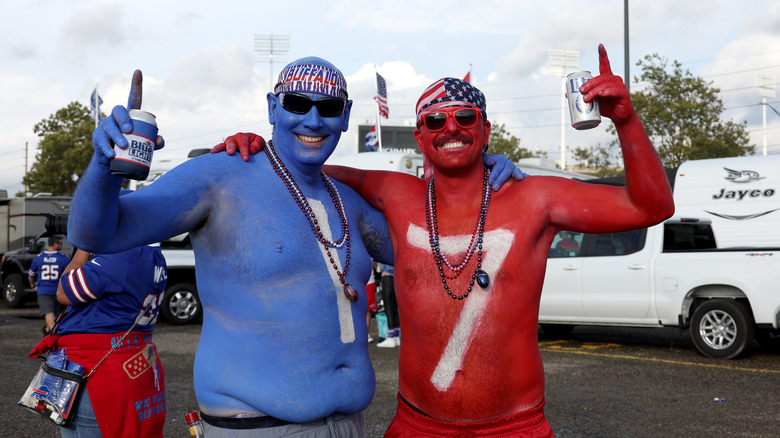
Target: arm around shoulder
[[369, 184], [375, 234]]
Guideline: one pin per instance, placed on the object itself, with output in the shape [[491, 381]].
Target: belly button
[[278, 247]]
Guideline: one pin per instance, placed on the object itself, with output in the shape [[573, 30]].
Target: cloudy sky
[[204, 80]]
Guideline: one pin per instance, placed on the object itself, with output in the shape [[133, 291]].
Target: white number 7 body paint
[[344, 305], [496, 245]]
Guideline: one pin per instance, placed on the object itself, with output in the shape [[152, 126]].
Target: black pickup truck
[[16, 263]]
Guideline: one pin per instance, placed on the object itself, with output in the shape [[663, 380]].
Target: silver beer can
[[134, 161], [584, 115]]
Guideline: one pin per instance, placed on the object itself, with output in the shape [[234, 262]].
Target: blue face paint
[[305, 138], [308, 139]]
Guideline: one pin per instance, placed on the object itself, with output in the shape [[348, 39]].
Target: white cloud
[[95, 31]]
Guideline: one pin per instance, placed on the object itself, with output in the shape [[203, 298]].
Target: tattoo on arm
[[376, 236]]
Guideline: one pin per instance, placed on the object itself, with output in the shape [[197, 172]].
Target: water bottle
[[195, 425]]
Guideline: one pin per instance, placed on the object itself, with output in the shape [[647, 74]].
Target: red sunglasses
[[464, 117]]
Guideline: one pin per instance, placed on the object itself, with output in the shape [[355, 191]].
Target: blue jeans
[[84, 423]]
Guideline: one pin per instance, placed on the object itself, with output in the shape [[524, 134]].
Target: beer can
[[584, 115], [133, 162]]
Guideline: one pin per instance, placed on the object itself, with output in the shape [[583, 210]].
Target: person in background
[[113, 302], [568, 243], [372, 306], [391, 308], [44, 274]]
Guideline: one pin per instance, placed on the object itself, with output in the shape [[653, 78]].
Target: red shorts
[[409, 423]]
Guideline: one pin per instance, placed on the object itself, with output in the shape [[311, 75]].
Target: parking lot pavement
[[605, 382], [600, 382]]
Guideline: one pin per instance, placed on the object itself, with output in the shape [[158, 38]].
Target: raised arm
[[647, 197], [99, 220]]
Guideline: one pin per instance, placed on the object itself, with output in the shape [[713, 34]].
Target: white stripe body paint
[[344, 305], [495, 247]]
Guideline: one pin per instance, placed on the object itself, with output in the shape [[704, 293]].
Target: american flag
[[94, 104], [372, 141], [381, 96]]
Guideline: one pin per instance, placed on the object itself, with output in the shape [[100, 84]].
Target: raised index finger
[[604, 67], [136, 91]]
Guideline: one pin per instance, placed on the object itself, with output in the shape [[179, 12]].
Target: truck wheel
[[557, 330], [181, 304], [13, 291], [722, 329]]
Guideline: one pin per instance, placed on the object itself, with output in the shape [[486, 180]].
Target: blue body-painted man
[[282, 339]]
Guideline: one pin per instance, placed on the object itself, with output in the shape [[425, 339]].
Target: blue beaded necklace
[[349, 291], [481, 277]]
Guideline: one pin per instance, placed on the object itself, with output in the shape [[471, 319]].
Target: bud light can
[[134, 161], [584, 115]]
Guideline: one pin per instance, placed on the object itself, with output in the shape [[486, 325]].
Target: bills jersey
[[48, 267], [110, 292]]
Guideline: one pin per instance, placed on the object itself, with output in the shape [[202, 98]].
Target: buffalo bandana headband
[[312, 78]]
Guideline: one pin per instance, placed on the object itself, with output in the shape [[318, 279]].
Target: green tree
[[600, 160], [65, 149], [503, 143], [681, 114]]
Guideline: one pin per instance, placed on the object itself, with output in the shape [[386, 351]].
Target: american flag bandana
[[451, 90]]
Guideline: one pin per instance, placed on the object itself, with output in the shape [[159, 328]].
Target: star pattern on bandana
[[460, 90]]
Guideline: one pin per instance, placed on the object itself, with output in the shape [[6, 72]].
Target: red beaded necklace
[[481, 277], [349, 291]]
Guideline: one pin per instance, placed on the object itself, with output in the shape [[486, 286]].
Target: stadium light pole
[[271, 45], [626, 62], [766, 88], [561, 62]]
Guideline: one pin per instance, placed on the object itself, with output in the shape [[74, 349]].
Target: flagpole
[[96, 101], [378, 124]]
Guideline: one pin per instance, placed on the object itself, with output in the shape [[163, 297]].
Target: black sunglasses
[[465, 118], [301, 104]]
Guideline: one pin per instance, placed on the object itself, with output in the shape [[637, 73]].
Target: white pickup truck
[[671, 274]]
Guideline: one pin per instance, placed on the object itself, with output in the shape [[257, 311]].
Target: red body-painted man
[[469, 264]]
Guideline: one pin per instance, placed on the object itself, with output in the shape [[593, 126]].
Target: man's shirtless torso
[[477, 358]]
